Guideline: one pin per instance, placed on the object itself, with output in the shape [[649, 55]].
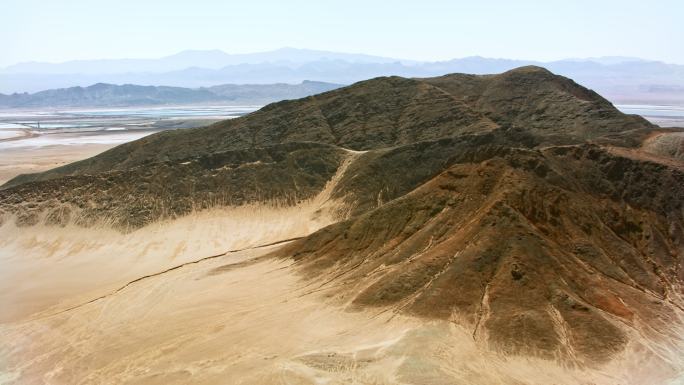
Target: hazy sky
[[420, 29]]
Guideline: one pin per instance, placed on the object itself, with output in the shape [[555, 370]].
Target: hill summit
[[533, 105]]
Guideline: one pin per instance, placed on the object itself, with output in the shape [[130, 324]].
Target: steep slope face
[[394, 111], [129, 199], [561, 253], [282, 174]]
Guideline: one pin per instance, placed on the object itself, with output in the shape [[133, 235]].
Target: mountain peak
[[529, 69]]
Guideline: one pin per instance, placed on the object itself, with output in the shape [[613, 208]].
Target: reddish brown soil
[[549, 253]]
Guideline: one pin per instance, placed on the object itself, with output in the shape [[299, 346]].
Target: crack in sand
[[118, 290]]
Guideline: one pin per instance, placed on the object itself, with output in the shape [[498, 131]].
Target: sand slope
[[242, 320]]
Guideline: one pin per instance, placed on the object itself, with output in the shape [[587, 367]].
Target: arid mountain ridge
[[521, 206], [108, 95], [388, 112]]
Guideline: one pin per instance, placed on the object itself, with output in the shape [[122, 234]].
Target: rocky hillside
[[131, 198], [521, 205], [387, 112], [552, 253]]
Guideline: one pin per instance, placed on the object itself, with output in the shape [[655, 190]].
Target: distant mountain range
[[621, 79], [108, 95], [209, 59]]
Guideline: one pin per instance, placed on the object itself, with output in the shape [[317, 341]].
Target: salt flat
[[38, 140]]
